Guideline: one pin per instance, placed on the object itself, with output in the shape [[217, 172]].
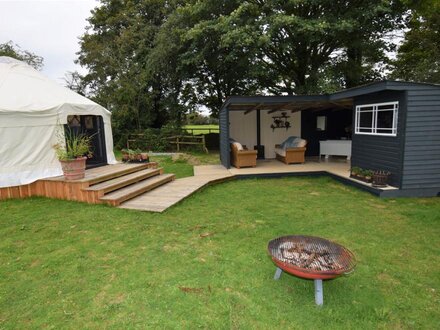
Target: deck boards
[[99, 174], [171, 193], [126, 193], [160, 199], [125, 180]]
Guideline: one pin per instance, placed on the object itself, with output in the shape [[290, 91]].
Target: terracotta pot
[[74, 169]]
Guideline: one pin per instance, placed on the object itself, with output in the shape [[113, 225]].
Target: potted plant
[[368, 175], [73, 153], [144, 157], [125, 155], [355, 171], [361, 174], [134, 156], [380, 178]]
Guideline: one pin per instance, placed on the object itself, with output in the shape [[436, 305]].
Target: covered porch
[[336, 167], [262, 122]]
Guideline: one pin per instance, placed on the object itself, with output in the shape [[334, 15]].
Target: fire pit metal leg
[[319, 296], [278, 273]]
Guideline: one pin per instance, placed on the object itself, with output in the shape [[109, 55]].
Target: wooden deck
[[80, 190], [168, 195], [145, 188], [160, 199]]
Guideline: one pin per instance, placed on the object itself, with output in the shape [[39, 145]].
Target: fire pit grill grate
[[312, 255], [311, 258]]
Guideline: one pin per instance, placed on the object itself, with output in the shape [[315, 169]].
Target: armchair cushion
[[291, 151], [290, 142], [302, 143], [237, 145]]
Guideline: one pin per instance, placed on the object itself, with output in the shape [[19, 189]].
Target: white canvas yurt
[[33, 110]]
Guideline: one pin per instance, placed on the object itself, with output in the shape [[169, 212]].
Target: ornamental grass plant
[[76, 145]]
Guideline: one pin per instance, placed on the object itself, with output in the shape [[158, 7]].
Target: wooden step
[[121, 195], [125, 180], [116, 172], [107, 172]]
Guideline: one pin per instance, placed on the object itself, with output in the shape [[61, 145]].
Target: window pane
[[377, 118], [384, 119], [384, 131], [385, 107], [365, 119]]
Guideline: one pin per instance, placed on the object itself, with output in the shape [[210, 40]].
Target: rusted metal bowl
[[311, 257]]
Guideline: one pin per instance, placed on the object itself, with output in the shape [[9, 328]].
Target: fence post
[[177, 143], [204, 145]]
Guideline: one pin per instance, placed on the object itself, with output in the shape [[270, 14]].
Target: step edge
[[165, 178], [117, 174], [115, 186]]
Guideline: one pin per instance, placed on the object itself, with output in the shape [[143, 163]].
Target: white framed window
[[377, 119]]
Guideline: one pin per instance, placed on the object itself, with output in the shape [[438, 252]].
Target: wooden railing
[[134, 138], [179, 140]]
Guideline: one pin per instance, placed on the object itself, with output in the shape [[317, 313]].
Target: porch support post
[[258, 128]]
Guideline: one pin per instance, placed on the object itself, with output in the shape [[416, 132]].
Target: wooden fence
[[179, 140]]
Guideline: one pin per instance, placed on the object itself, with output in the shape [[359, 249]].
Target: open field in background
[[201, 129], [181, 165], [203, 263]]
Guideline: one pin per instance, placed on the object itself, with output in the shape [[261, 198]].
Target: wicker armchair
[[243, 158], [290, 155]]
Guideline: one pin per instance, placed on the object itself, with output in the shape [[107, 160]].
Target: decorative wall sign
[[280, 122]]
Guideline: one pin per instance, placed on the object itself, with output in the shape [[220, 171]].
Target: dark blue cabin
[[393, 126]]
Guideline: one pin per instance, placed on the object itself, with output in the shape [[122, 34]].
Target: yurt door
[[92, 126]]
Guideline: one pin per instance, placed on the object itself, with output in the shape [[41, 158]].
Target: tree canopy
[[418, 57], [12, 50], [152, 61]]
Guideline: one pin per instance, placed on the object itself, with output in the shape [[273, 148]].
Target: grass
[[203, 263], [202, 129], [181, 165]]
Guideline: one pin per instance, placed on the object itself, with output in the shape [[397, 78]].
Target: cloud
[[47, 28]]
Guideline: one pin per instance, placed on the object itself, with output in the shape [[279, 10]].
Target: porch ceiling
[[291, 105]]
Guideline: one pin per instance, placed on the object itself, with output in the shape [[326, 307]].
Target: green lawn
[[203, 263], [202, 129], [181, 165]]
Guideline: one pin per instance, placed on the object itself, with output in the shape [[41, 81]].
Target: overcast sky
[[49, 28]]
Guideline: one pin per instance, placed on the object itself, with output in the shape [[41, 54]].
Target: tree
[[13, 50], [213, 64], [74, 81], [116, 50], [418, 58], [152, 61], [299, 40]]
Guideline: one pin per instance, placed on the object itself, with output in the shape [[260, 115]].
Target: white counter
[[335, 148]]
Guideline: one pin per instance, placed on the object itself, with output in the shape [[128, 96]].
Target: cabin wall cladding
[[381, 152], [422, 140], [224, 138]]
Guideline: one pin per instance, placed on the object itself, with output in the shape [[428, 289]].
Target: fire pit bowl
[[311, 258]]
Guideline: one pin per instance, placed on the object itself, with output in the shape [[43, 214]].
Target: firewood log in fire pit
[[311, 255]]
